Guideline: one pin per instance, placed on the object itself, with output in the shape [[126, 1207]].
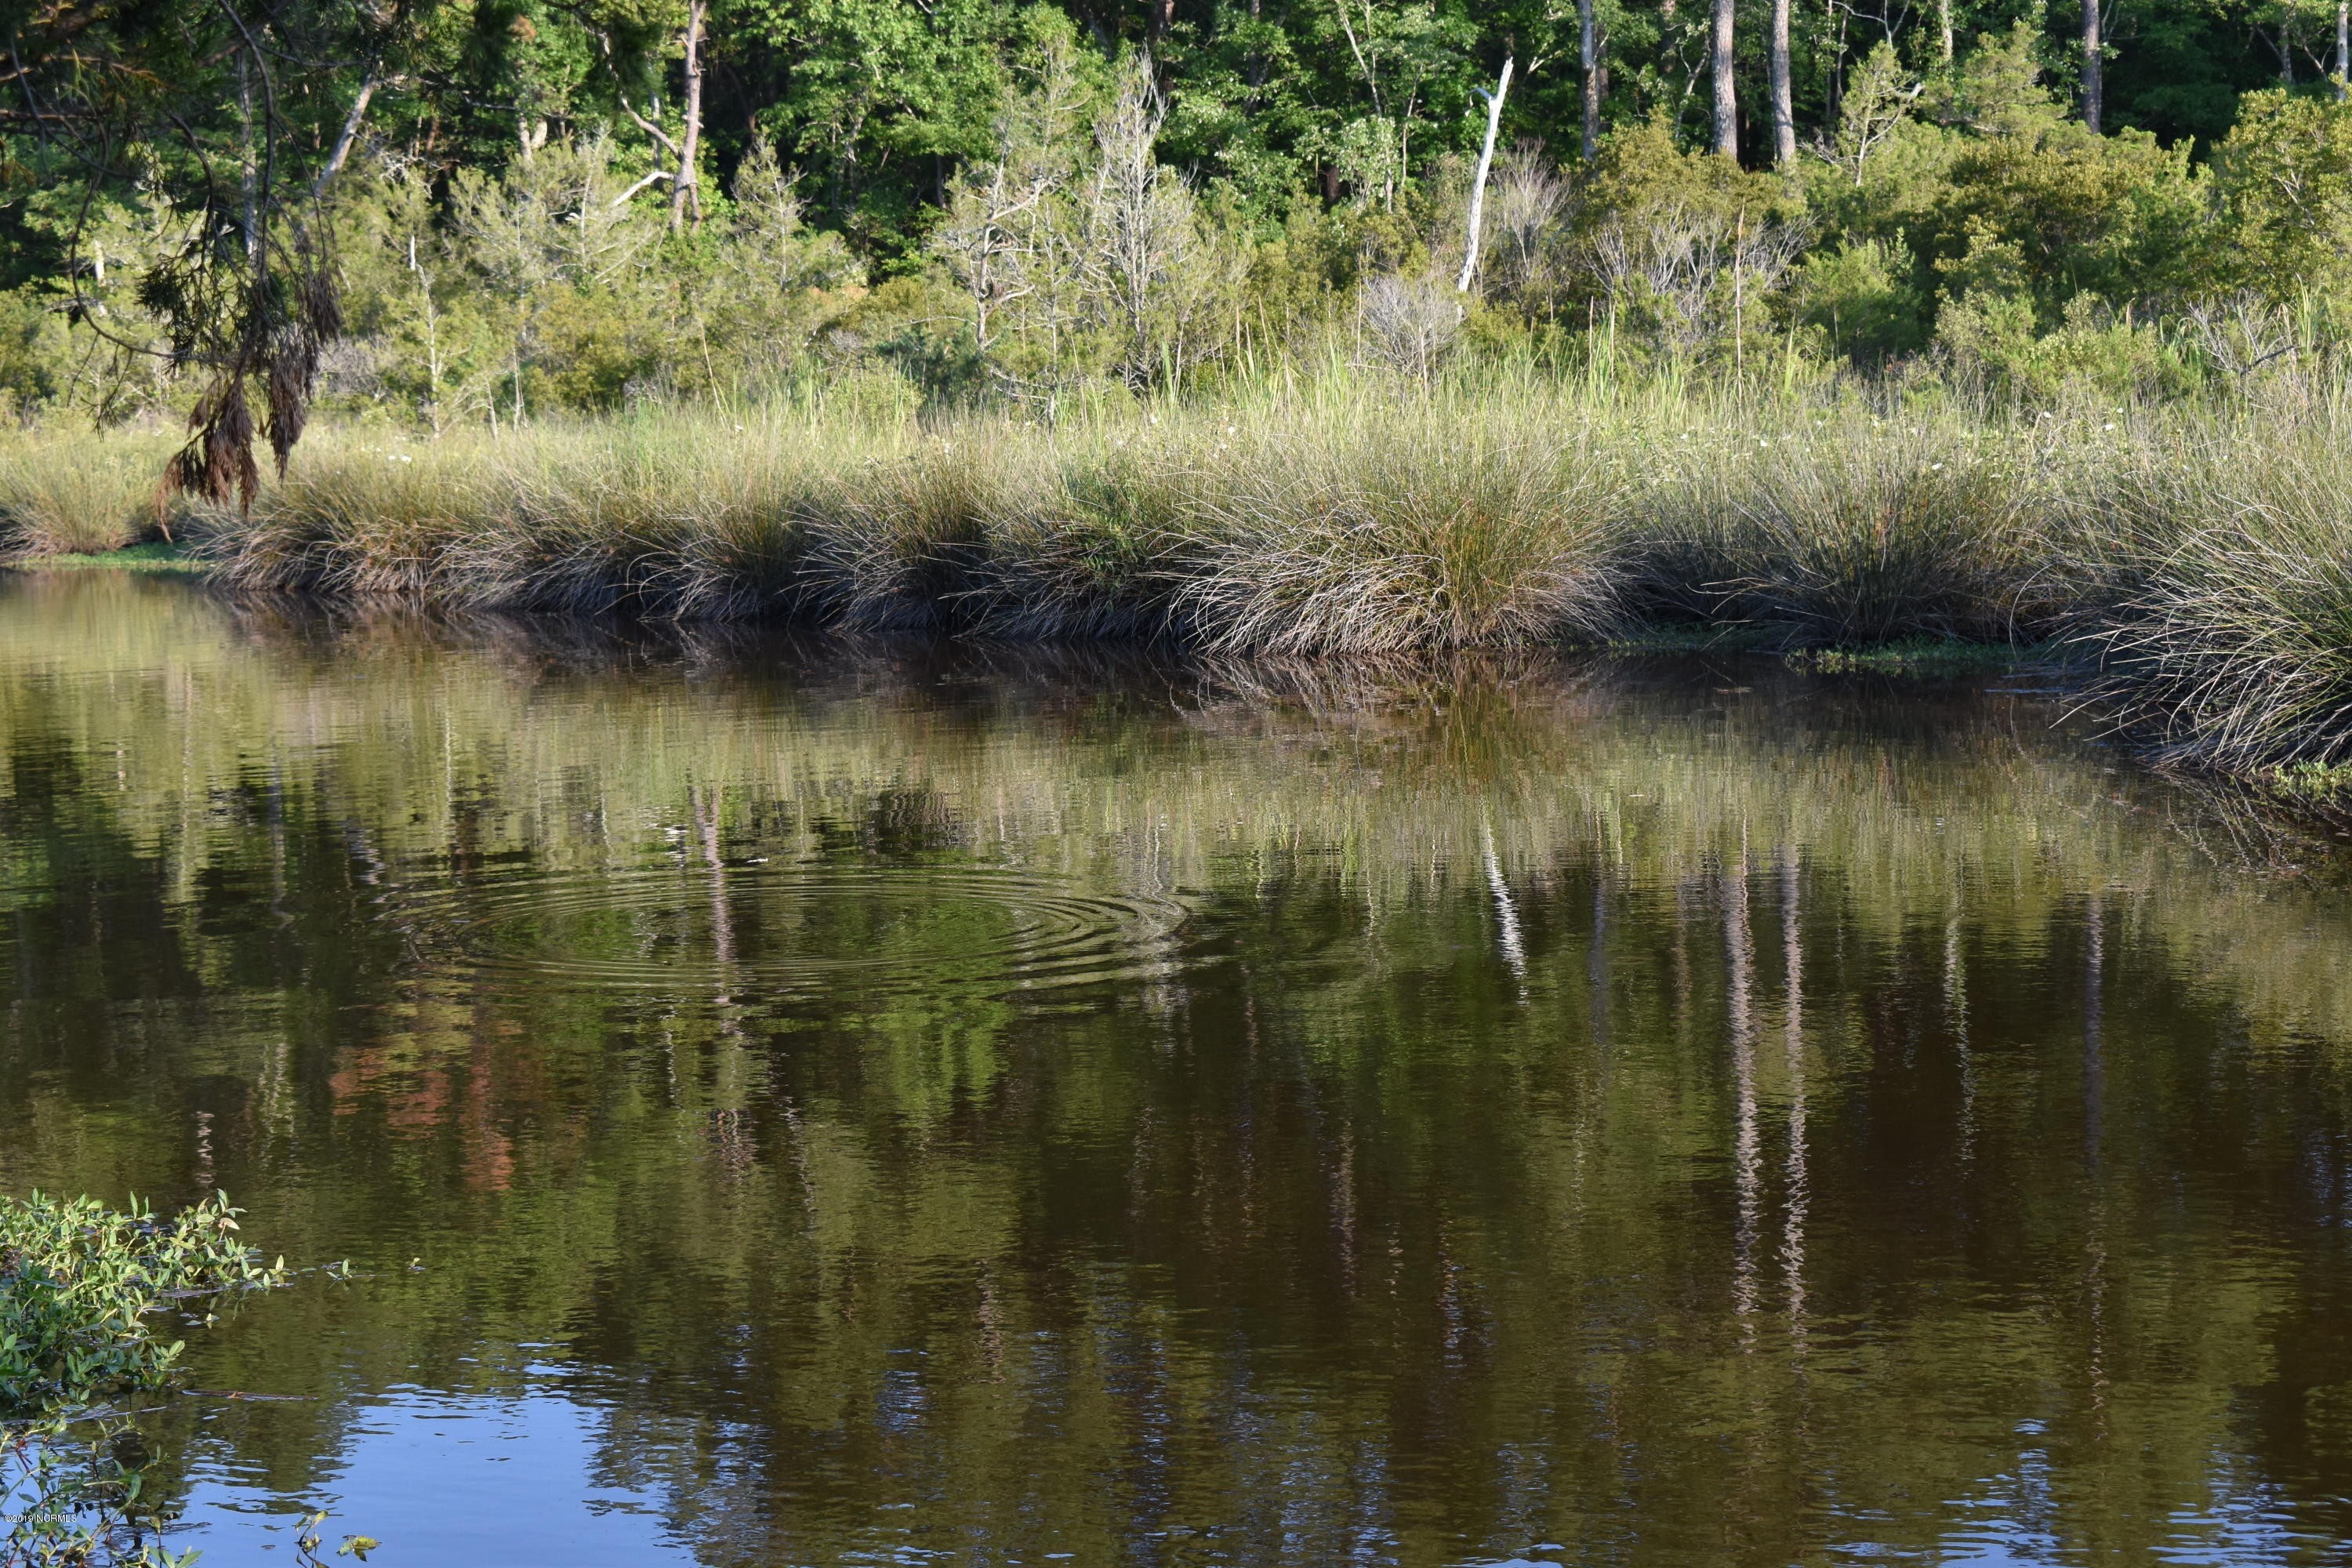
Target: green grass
[[2199, 556], [2326, 783], [154, 556], [80, 492]]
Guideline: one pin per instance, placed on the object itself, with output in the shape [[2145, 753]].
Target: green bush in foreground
[[79, 1282]]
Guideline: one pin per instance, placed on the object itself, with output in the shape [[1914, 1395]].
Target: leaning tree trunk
[[688, 188], [2093, 65], [1479, 187], [343, 140], [1727, 97], [1784, 108]]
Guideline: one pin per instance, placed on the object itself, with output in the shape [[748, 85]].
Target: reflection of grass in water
[[916, 1178], [1393, 774]]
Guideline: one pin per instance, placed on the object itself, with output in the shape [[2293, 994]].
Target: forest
[[511, 208]]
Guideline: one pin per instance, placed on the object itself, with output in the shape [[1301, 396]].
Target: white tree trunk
[[1479, 187], [1784, 111], [349, 133], [1726, 93], [1588, 34], [2094, 65]]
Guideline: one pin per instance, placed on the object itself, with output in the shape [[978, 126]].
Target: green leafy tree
[[2282, 184]]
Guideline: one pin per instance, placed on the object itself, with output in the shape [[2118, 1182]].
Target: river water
[[789, 1103]]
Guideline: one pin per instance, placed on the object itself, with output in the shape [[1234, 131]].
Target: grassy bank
[[2197, 557]]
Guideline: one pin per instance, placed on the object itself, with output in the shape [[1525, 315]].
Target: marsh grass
[[1095, 548], [81, 494], [2202, 553], [1847, 536], [2230, 641], [1397, 531]]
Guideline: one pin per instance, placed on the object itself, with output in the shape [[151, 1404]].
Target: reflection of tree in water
[[1335, 1230]]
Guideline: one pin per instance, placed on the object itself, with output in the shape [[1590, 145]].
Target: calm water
[[796, 1105]]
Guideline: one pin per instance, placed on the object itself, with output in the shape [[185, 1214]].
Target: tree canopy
[[504, 203]]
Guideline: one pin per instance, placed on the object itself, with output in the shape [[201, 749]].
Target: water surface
[[793, 1104]]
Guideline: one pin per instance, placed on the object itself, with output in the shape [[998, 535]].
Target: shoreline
[[2190, 566]]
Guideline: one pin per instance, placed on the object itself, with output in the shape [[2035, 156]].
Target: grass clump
[[1094, 551], [80, 495], [1843, 536], [899, 543], [1397, 533], [2232, 645], [356, 520]]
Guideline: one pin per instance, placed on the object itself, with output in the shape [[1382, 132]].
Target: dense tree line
[[479, 209]]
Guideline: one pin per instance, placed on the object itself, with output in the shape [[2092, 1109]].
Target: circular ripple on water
[[789, 929]]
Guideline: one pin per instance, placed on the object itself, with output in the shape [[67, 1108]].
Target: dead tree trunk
[[686, 189], [349, 133], [1727, 94], [1479, 187]]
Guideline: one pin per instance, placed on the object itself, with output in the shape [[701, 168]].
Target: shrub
[[1862, 298], [76, 1284]]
